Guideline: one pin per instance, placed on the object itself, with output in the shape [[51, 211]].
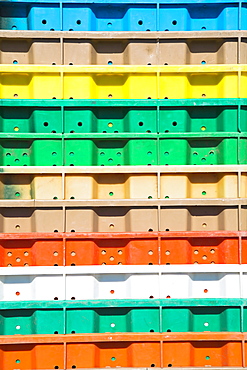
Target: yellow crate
[[123, 82]]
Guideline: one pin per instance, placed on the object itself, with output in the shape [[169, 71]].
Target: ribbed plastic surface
[[142, 48], [114, 316], [200, 116], [122, 82], [122, 282], [123, 15], [74, 249]]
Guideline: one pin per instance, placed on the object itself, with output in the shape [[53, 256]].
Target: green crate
[[123, 116], [200, 119], [122, 149], [25, 151], [111, 316], [202, 150], [31, 119], [198, 319], [116, 151], [110, 119]]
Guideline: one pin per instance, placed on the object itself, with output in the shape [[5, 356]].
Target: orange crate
[[123, 350], [41, 249]]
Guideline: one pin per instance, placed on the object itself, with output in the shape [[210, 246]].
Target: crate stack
[[123, 184]]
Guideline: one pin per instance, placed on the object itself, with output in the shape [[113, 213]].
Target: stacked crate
[[123, 191]]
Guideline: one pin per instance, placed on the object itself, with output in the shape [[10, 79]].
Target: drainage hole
[[174, 22], [78, 21], [140, 22], [44, 21]]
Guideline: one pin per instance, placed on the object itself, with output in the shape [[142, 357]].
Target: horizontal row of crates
[[74, 249], [143, 350], [206, 117], [123, 15], [113, 216], [122, 82], [157, 48], [123, 316], [122, 150], [88, 183], [123, 282]]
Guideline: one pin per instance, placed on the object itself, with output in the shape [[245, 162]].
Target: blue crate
[[126, 15]]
